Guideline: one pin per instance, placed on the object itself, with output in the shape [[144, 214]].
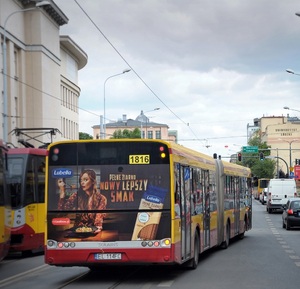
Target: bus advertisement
[[140, 201]]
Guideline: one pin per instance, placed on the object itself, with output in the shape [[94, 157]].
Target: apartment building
[[40, 70], [149, 129], [282, 134]]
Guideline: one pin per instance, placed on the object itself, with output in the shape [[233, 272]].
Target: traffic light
[[239, 157], [261, 156]]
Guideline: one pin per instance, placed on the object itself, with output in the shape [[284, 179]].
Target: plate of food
[[82, 231]]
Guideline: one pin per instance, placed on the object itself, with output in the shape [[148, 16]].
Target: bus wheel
[[225, 243], [242, 235], [192, 264]]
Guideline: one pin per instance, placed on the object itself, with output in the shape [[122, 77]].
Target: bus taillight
[[163, 154]]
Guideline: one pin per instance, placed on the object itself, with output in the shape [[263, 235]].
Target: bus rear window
[[98, 153]]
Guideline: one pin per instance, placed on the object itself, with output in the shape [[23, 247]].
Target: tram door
[[185, 182], [236, 205], [206, 211]]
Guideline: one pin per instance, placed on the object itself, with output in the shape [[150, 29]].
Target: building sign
[[297, 172]]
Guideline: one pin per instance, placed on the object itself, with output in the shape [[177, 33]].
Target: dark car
[[291, 213]]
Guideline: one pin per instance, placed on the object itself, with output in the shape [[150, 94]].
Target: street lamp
[[5, 97], [290, 149], [286, 107], [142, 113], [279, 158], [291, 71], [104, 110]]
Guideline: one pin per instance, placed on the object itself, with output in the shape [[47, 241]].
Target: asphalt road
[[268, 257]]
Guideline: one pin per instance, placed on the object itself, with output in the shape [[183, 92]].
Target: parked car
[[291, 213]]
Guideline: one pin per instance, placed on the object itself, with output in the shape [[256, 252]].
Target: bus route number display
[[139, 159]]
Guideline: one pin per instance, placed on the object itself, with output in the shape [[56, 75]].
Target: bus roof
[[179, 152], [236, 170]]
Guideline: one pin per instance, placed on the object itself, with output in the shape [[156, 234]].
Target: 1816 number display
[[139, 159]]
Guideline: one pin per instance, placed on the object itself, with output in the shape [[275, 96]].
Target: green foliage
[[259, 168], [264, 169], [136, 133], [83, 135]]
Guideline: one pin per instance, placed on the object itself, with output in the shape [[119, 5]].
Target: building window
[[150, 134], [158, 134]]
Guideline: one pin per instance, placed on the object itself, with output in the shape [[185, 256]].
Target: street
[[268, 257]]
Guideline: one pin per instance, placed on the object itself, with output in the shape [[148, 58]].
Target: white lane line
[[166, 283], [294, 257]]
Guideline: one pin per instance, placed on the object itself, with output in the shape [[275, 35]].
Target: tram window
[[41, 179], [1, 195], [14, 180], [1, 184], [30, 183]]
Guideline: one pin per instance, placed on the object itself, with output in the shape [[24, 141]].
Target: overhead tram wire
[[210, 138], [92, 113], [50, 95], [130, 65], [95, 114]]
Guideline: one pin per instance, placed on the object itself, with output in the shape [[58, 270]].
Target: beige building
[[149, 129], [40, 70], [283, 135]]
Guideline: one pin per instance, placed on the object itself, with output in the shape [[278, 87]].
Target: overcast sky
[[211, 66]]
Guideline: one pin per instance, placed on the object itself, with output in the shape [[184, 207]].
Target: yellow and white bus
[[162, 203], [258, 187]]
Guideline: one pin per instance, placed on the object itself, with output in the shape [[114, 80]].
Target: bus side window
[[177, 192]]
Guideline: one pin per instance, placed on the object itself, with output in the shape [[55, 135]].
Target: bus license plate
[[108, 256]]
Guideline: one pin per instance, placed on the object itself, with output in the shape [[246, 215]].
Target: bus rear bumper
[[83, 257]]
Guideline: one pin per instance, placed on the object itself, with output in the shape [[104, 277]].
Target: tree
[[259, 168], [136, 133], [83, 135]]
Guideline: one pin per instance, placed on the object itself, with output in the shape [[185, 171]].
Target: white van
[[279, 190]]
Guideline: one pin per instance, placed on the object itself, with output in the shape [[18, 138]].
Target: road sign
[[250, 149]]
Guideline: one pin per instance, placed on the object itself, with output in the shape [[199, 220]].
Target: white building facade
[[41, 70], [282, 134]]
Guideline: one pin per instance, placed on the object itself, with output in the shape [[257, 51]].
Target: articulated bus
[[140, 202], [5, 212], [26, 182]]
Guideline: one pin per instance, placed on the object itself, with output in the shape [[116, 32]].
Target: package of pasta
[[147, 222]]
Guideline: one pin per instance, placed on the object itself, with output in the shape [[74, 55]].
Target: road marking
[[282, 242], [147, 285], [294, 257], [166, 283], [297, 264]]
